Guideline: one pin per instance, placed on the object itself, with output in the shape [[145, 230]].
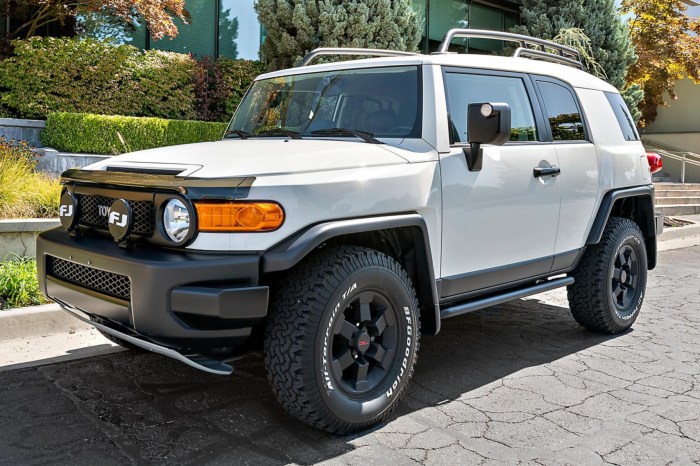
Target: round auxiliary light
[[176, 220], [486, 110]]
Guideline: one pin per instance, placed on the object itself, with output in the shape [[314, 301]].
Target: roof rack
[[529, 47], [352, 51]]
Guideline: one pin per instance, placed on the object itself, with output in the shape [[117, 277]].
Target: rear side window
[[464, 89], [562, 112], [624, 118]]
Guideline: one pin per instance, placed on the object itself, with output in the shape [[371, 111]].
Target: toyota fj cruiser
[[352, 206]]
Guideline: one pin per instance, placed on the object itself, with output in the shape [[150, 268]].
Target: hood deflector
[[222, 188]]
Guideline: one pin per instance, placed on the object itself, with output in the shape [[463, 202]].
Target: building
[[677, 126], [230, 28]]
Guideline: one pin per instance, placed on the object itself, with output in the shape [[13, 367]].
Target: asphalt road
[[520, 382]]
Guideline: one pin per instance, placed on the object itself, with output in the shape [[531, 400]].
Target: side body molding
[[291, 251]]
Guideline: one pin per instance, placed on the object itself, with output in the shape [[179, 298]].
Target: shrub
[[25, 193], [18, 283], [70, 75], [220, 85], [101, 134]]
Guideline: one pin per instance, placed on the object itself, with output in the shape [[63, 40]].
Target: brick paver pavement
[[520, 382]]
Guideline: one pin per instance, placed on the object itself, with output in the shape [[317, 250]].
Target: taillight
[[655, 162]]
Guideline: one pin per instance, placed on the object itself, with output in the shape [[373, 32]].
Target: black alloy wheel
[[364, 343]]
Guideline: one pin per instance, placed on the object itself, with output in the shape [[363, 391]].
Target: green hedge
[[102, 134], [48, 75]]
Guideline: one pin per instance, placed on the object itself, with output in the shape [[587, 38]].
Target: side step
[[494, 299], [195, 360]]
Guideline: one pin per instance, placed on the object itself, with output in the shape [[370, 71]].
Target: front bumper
[[173, 299]]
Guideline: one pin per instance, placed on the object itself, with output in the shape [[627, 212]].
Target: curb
[[37, 321], [50, 319]]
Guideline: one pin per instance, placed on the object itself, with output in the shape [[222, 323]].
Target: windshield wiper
[[279, 132], [364, 135], [237, 132]]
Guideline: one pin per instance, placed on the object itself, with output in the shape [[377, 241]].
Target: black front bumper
[[177, 299]]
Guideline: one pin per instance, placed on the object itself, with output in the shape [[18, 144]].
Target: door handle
[[546, 171]]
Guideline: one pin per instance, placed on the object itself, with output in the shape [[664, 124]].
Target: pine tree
[[295, 27], [600, 21]]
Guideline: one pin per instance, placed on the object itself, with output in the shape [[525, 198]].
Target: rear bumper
[[174, 299]]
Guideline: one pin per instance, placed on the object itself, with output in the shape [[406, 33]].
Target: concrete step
[[677, 193], [678, 210], [674, 186], [666, 200]]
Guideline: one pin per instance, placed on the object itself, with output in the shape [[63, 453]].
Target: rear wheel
[[342, 339], [611, 279]]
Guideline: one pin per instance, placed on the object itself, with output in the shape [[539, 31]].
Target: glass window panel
[[485, 17], [622, 113], [446, 15], [464, 89], [239, 30], [562, 112], [510, 20], [198, 37]]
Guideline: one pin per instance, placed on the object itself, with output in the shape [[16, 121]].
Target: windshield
[[382, 102]]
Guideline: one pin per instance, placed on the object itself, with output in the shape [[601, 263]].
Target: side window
[[463, 89], [622, 113], [562, 112]]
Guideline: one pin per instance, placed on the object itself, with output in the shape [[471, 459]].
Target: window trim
[[626, 113], [537, 111], [536, 78]]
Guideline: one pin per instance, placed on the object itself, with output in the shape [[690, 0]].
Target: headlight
[[176, 220]]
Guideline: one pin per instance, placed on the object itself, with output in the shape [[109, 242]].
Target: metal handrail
[[526, 43], [353, 51], [675, 154]]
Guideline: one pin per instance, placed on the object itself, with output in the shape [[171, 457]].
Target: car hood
[[256, 157]]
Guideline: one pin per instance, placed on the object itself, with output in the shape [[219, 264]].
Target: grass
[[18, 283], [24, 192]]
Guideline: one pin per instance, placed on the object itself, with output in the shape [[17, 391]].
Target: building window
[[439, 16], [218, 28]]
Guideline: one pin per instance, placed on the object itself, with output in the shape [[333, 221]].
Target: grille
[[112, 284], [143, 211]]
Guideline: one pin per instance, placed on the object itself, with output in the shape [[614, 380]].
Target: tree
[[662, 35], [611, 52], [295, 27], [157, 14]]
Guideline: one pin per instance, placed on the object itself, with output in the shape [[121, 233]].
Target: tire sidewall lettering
[[383, 396]]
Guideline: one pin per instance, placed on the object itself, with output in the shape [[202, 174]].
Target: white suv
[[351, 207]]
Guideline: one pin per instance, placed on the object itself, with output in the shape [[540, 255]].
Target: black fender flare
[[647, 220], [292, 250]]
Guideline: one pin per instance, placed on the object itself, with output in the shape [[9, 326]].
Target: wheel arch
[[636, 204], [404, 237]]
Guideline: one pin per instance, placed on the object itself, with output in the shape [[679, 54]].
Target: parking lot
[[519, 382]]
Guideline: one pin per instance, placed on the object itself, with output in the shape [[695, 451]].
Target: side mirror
[[487, 123]]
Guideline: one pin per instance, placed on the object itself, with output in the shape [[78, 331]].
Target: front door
[[500, 223]]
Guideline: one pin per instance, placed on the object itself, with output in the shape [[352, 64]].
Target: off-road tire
[[592, 299], [301, 338]]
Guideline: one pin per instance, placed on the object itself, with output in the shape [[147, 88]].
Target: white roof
[[573, 76]]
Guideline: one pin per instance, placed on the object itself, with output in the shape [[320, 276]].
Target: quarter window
[[464, 89], [563, 113], [624, 119]]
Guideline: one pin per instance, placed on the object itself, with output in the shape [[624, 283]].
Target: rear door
[[578, 161], [500, 223]]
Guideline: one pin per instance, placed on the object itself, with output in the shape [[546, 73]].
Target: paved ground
[[520, 382]]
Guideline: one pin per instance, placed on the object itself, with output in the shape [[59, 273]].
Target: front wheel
[[611, 279], [342, 339]]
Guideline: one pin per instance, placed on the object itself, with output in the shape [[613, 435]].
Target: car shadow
[[154, 409]]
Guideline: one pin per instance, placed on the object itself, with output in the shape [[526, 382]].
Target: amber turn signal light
[[238, 216]]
